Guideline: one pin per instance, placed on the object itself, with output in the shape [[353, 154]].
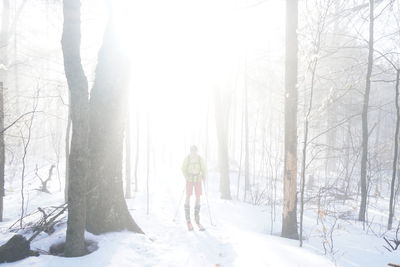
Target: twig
[[49, 223]]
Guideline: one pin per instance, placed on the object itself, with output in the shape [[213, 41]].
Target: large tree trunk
[[222, 120], [364, 116], [289, 218], [396, 151], [5, 21], [67, 150], [107, 210], [78, 88]]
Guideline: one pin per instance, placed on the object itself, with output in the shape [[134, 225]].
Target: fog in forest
[[199, 133]]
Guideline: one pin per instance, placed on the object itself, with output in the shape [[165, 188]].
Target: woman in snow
[[194, 171]]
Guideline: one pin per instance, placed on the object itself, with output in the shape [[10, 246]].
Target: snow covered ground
[[239, 236]]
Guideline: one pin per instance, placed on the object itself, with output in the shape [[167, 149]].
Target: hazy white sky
[[182, 50]]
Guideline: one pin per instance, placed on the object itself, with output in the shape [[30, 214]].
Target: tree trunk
[[15, 72], [364, 116], [2, 150], [137, 153], [289, 216], [240, 154], [148, 166], [246, 130], [67, 150], [222, 115], [304, 152], [107, 210], [5, 21], [128, 157], [78, 88], [396, 149]]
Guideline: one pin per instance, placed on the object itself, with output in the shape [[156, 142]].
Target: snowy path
[[238, 237]]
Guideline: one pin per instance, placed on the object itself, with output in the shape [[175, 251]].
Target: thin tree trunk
[[346, 186], [25, 153], [137, 153], [148, 167], [4, 37], [304, 159], [246, 130], [222, 122], [79, 108], [255, 148], [206, 143], [364, 116], [107, 210], [128, 157], [5, 20], [2, 150], [16, 76], [240, 155], [289, 216], [396, 153]]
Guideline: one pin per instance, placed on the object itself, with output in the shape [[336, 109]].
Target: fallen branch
[[393, 243], [18, 247], [48, 225]]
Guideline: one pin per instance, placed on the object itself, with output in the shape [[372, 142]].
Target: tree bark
[[240, 154], [128, 157], [2, 151], [396, 152], [137, 153], [148, 165], [5, 21], [304, 151], [246, 130], [107, 210], [67, 151], [289, 216], [222, 120], [364, 116], [78, 88]]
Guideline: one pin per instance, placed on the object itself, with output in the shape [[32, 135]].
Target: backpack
[[193, 167]]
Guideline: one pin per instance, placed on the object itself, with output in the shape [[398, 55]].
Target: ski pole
[[208, 204], [179, 204]]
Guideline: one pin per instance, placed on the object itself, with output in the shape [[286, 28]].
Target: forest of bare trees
[[294, 107]]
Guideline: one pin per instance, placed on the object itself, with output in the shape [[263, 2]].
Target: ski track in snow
[[238, 238]]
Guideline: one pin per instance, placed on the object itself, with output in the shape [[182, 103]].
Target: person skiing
[[194, 171]]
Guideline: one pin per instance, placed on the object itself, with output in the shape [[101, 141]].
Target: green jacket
[[194, 168]]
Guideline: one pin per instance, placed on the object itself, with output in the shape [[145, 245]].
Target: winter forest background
[[294, 105]]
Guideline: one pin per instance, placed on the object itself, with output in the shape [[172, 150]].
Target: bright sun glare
[[183, 50]]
